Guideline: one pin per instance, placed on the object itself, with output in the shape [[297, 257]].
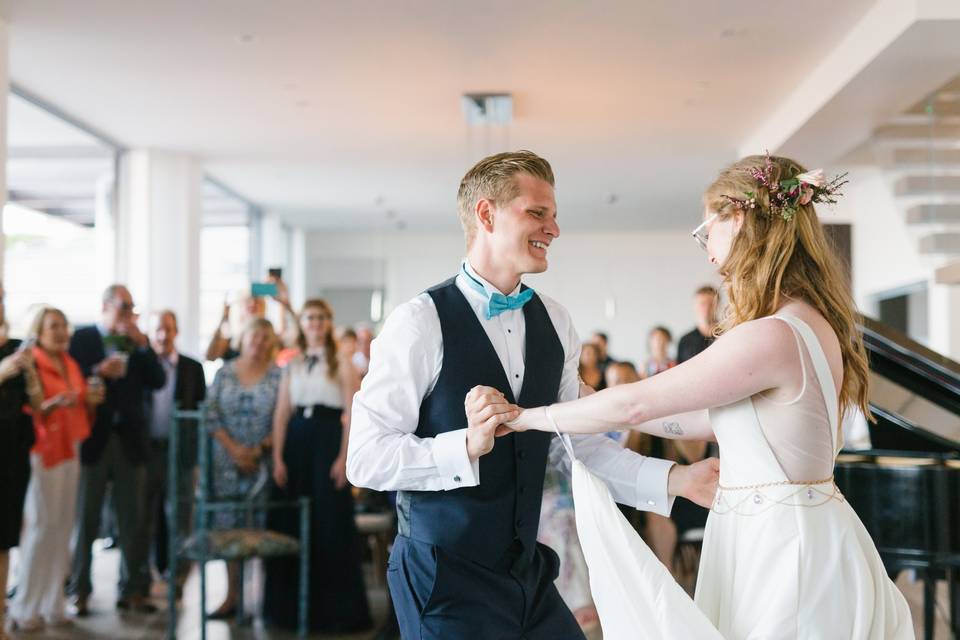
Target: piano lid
[[914, 387]]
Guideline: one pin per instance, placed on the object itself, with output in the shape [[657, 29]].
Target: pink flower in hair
[[806, 195], [813, 178]]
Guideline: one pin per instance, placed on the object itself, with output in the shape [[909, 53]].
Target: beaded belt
[[758, 498]]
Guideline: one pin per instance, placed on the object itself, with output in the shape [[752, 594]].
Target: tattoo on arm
[[672, 428]]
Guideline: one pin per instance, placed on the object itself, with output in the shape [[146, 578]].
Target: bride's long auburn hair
[[772, 259]]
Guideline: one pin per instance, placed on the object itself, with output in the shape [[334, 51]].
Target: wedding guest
[[61, 406], [310, 429], [658, 346], [115, 454], [601, 341], [239, 414], [184, 388], [250, 307], [590, 370], [16, 438], [705, 302], [361, 360], [347, 343], [558, 530]]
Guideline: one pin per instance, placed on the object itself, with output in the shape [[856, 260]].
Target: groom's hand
[[696, 482], [486, 409]]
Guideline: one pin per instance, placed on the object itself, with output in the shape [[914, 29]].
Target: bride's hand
[[516, 424], [526, 421], [696, 482]]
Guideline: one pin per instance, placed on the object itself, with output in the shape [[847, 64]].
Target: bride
[[784, 555]]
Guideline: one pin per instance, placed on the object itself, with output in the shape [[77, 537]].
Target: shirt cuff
[[652, 486], [453, 464]]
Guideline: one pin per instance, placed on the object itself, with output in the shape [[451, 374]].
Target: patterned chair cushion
[[237, 544]]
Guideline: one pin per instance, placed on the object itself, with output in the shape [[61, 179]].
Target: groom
[[466, 563]]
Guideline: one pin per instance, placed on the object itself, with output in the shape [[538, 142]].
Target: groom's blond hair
[[493, 179]]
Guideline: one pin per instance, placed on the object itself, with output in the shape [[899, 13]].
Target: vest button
[[521, 454], [521, 490], [519, 523]]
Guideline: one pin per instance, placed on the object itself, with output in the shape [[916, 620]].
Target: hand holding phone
[[262, 289]]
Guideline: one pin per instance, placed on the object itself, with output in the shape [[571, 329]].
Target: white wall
[[649, 277], [884, 250], [885, 255]]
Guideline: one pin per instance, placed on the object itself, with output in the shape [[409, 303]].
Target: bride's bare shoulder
[[764, 335]]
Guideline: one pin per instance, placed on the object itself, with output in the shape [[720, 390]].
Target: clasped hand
[[487, 411]]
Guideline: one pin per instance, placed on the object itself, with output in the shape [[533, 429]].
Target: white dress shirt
[[405, 362]]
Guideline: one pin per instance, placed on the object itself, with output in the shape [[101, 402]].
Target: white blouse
[[311, 385]]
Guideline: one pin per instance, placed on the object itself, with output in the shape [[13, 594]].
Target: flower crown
[[786, 196]]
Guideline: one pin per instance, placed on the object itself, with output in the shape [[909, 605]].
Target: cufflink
[[456, 478]]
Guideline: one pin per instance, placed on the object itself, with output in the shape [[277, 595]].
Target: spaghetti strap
[[564, 438]]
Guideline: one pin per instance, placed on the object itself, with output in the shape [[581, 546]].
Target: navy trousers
[[442, 596]]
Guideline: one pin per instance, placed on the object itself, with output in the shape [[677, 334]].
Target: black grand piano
[[906, 486]]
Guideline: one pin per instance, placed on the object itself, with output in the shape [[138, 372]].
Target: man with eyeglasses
[[115, 353]]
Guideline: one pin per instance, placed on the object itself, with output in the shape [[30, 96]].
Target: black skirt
[[16, 438], [338, 597]]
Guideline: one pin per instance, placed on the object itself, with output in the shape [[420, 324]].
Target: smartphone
[[275, 272], [261, 289]]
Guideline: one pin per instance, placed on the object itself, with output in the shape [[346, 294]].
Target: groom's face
[[524, 227]]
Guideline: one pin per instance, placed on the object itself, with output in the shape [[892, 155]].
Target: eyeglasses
[[701, 235]]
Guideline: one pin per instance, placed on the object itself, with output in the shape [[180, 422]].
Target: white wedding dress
[[784, 555]]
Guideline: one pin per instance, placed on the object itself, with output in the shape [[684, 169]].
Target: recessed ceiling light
[[733, 32], [484, 109], [246, 38]]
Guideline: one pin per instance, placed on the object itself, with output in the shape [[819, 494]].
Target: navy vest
[[495, 522]]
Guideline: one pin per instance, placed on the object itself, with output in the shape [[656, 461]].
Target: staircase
[[920, 153]]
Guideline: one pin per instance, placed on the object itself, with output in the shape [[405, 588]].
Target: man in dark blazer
[[116, 452], [185, 388]]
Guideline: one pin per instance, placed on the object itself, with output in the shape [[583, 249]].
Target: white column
[[104, 229], [158, 236], [298, 268], [4, 91]]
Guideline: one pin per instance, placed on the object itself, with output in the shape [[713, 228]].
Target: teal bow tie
[[497, 303]]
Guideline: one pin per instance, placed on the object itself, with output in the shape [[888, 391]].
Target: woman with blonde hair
[[239, 415], [784, 555], [62, 406]]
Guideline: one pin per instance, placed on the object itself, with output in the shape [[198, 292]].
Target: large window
[[225, 243], [60, 183]]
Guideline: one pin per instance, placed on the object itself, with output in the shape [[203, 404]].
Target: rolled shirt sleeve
[[634, 480], [383, 452]]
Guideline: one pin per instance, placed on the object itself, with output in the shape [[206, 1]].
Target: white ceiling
[[335, 113]]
